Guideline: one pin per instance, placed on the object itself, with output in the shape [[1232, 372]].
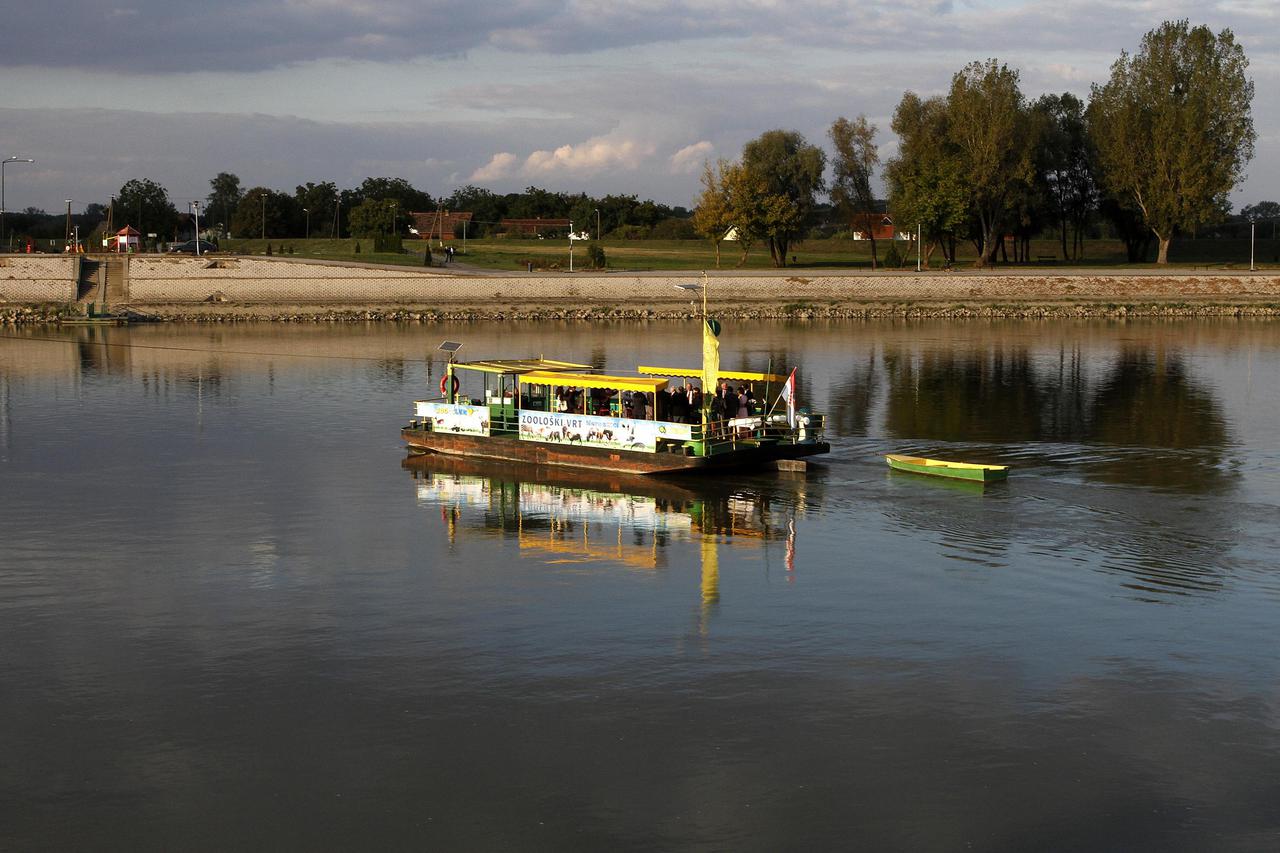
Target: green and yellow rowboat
[[954, 470]]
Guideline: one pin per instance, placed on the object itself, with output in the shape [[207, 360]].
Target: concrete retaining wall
[[38, 278], [184, 280], [160, 280]]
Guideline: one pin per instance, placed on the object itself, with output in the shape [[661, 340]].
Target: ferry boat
[[550, 412]]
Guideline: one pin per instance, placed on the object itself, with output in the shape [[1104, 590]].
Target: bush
[[595, 253], [674, 228], [426, 255], [268, 248], [892, 255], [630, 232], [357, 250]]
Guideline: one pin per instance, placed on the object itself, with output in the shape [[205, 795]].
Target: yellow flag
[[710, 359]]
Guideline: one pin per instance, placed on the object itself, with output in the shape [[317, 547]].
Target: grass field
[[621, 255]]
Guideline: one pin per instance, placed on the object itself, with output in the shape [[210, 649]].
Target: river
[[234, 615]]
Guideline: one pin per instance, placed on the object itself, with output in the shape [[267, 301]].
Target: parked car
[[189, 247]]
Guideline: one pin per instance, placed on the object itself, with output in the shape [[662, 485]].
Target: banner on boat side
[[462, 420], [595, 431]]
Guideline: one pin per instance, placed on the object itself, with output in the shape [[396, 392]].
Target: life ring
[[444, 386]]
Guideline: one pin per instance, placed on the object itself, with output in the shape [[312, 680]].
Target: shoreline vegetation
[[11, 315], [832, 254]]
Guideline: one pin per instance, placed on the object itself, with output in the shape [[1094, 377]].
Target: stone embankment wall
[[163, 280], [38, 278]]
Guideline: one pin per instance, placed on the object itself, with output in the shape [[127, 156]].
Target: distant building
[[882, 227], [438, 224], [127, 239]]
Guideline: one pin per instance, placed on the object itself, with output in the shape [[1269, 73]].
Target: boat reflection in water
[[562, 515]]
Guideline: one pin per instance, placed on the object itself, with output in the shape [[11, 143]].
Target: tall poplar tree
[[853, 167], [1173, 127], [995, 141]]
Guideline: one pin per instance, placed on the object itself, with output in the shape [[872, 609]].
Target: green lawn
[[517, 254]]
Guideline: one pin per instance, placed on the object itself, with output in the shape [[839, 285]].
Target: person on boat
[[678, 404], [717, 414]]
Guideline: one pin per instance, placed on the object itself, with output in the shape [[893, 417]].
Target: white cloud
[[689, 158], [588, 158], [498, 167]]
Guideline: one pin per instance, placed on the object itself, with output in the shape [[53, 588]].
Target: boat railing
[[715, 436]]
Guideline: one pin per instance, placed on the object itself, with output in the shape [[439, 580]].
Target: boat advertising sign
[[462, 420], [595, 431]]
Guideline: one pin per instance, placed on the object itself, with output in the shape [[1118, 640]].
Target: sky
[[630, 96]]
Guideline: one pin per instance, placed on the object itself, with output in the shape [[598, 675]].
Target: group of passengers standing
[[681, 404]]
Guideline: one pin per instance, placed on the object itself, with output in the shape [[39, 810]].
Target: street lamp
[[1253, 227], [3, 163], [263, 197], [195, 206], [67, 240], [308, 213], [598, 234]]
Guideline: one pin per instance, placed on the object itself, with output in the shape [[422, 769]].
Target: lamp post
[[195, 207], [1253, 227], [3, 245], [67, 240], [308, 231], [570, 245], [263, 197], [598, 234]]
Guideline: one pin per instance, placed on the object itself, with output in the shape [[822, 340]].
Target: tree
[[1066, 167], [149, 202], [994, 141], [224, 197], [374, 217], [408, 198], [853, 167], [1263, 211], [790, 171], [486, 207], [1173, 127], [924, 181], [711, 214], [319, 201], [264, 212]]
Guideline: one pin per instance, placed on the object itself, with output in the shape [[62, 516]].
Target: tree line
[[1156, 152], [379, 206]]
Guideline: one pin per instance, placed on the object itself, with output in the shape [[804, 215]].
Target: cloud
[[687, 160], [499, 166], [247, 35], [587, 158]]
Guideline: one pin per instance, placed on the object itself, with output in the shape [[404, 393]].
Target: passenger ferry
[[548, 412]]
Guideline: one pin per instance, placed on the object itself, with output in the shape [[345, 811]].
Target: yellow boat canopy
[[585, 380], [519, 365], [696, 372]]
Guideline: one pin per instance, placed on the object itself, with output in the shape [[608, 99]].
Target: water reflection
[[1143, 419], [566, 517]]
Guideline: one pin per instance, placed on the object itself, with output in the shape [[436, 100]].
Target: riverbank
[[231, 289]]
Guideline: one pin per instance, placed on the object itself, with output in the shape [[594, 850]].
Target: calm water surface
[[232, 615]]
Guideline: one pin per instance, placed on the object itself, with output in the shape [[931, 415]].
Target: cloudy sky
[[628, 96]]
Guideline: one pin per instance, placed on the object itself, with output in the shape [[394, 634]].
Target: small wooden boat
[[941, 468]]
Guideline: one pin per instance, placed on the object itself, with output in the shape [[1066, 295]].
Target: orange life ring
[[444, 386]]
